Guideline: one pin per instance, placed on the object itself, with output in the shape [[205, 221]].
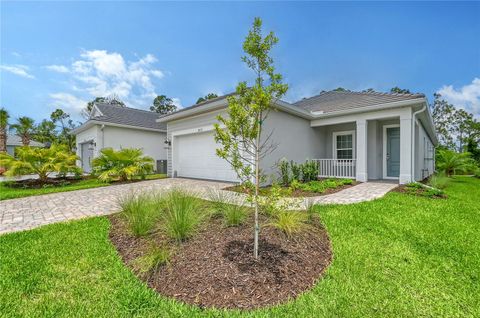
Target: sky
[[63, 54]]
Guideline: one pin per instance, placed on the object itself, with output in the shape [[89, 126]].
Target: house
[[111, 126], [366, 136], [14, 141]]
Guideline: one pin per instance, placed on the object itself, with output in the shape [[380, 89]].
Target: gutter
[[89, 124]]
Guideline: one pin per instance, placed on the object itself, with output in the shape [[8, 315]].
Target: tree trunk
[[25, 140], [3, 140], [257, 186]]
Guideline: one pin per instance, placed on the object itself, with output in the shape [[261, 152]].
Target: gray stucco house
[[363, 136], [14, 141], [119, 127]]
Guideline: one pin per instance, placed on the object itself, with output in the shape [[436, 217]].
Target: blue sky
[[57, 54]]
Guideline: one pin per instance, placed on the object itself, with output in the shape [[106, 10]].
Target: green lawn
[[400, 256], [11, 193]]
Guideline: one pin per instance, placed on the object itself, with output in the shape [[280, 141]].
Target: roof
[[198, 105], [332, 101], [127, 116], [14, 140]]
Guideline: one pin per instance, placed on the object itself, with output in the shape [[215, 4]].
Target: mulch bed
[[38, 184], [216, 267], [297, 193]]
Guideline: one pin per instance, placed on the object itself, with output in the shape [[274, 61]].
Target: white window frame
[[334, 143]]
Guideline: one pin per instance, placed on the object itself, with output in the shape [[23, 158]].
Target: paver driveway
[[30, 212]]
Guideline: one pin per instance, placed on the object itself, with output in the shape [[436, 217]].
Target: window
[[344, 145]]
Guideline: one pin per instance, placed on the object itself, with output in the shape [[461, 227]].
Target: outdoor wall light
[[91, 145], [167, 142]]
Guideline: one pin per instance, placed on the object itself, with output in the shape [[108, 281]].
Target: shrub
[[438, 181], [289, 222], [295, 185], [157, 256], [40, 161], [431, 193], [451, 162], [124, 164], [296, 171], [284, 172], [141, 212], [234, 215], [182, 215]]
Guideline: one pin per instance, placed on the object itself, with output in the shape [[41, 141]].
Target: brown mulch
[[37, 183], [216, 267], [294, 194]]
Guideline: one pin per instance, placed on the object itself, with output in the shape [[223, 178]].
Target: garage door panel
[[196, 158]]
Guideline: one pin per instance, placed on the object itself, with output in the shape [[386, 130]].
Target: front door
[[87, 156], [393, 152]]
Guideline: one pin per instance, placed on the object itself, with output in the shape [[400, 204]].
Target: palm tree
[[24, 128], [3, 129], [450, 162], [124, 164]]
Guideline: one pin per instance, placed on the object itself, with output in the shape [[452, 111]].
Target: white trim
[[93, 122], [343, 133], [384, 165]]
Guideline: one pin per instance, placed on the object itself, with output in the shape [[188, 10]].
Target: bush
[[309, 171], [152, 260], [234, 215], [182, 215], [289, 222], [40, 161], [141, 212], [438, 181], [124, 164], [296, 171], [284, 172]]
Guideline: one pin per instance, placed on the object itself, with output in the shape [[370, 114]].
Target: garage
[[195, 157]]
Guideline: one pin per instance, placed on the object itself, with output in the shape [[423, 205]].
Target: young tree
[[25, 129], [240, 133], [163, 105], [206, 97], [4, 116]]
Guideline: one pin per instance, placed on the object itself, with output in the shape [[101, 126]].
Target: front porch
[[370, 147]]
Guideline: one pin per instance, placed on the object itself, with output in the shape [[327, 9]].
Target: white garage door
[[196, 158]]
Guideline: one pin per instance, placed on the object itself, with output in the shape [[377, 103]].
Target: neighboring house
[[357, 135], [14, 141], [117, 127]]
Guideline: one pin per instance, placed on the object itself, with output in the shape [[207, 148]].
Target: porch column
[[361, 148], [406, 147]]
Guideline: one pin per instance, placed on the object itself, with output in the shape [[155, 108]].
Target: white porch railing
[[336, 168]]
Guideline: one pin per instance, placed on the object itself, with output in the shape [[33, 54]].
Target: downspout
[[103, 136], [412, 146]]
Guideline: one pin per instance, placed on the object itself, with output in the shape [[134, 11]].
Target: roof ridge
[[374, 93], [135, 109]]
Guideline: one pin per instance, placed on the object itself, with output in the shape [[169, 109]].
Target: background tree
[[45, 132], [242, 142], [398, 90], [4, 116], [340, 89], [24, 128], [206, 97], [65, 125], [163, 105], [443, 114]]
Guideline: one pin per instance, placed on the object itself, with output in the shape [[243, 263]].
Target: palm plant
[[3, 129], [40, 161], [450, 162], [124, 164], [24, 128]]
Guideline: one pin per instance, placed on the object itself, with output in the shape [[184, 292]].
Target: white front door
[[195, 157]]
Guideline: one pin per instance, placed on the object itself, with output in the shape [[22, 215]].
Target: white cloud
[[177, 102], [102, 73], [68, 102], [20, 70], [57, 68], [466, 97]]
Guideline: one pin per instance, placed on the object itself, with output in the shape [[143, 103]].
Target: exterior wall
[[424, 164], [151, 142], [328, 131], [11, 150], [295, 140]]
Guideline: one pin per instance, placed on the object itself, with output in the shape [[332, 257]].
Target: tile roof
[[128, 116], [332, 101], [14, 140]]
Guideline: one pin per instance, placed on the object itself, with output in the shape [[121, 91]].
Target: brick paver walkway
[[30, 212]]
